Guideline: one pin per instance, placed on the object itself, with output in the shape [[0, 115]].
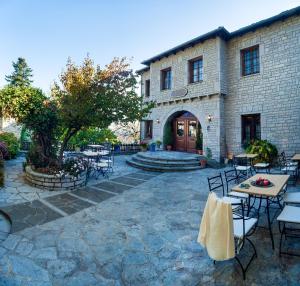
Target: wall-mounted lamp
[[157, 121], [209, 118]]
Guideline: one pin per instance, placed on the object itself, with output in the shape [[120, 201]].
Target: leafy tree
[[95, 135], [89, 96], [21, 75], [30, 107]]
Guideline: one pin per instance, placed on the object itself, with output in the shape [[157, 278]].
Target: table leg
[[269, 223]]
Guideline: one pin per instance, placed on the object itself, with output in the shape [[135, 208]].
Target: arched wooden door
[[185, 127]]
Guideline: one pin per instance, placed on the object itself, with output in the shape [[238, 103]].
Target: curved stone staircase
[[165, 161]]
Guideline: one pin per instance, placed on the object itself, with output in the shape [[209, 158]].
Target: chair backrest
[[240, 161], [238, 213], [230, 176], [216, 184]]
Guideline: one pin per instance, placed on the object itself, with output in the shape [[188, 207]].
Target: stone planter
[[54, 182]]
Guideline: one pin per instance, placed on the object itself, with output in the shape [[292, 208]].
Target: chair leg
[[282, 233], [241, 265]]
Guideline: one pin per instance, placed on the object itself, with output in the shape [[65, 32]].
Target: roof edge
[[224, 34]]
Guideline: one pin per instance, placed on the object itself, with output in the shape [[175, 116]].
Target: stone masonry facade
[[225, 94]]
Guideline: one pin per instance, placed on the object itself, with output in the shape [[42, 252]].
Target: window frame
[[148, 124], [243, 65], [253, 130], [191, 70], [163, 77], [147, 88]]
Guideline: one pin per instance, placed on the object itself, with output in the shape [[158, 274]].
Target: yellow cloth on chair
[[216, 229]]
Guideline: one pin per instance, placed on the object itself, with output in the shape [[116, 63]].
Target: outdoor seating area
[[99, 159], [252, 190]]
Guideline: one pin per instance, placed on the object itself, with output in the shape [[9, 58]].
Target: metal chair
[[288, 168], [242, 167], [290, 215], [215, 184], [243, 228]]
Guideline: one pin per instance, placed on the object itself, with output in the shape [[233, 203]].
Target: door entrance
[[185, 128]]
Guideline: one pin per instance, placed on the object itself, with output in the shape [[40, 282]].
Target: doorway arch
[[185, 128]]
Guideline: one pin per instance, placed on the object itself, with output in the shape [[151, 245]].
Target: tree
[[30, 107], [89, 96], [21, 75]]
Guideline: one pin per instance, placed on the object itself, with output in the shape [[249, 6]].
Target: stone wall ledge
[[53, 182]]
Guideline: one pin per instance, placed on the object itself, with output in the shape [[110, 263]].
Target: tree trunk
[[69, 134]]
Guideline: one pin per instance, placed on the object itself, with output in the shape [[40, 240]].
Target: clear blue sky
[[47, 32]]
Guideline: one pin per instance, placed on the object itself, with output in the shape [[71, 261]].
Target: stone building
[[237, 86]]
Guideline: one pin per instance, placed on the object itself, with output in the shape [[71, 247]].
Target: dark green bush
[[168, 135], [266, 151], [11, 142]]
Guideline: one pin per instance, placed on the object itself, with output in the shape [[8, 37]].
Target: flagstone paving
[[117, 233]]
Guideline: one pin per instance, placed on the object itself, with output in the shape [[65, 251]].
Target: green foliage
[[21, 75], [93, 135], [199, 139], [31, 108], [11, 142], [89, 96], [208, 153], [168, 135], [266, 151]]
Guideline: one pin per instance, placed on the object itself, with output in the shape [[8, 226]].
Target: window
[[166, 79], [148, 129], [192, 128], [250, 60], [250, 127], [195, 70], [147, 88], [180, 128]]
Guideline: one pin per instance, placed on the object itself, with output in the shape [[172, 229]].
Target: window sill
[[195, 83], [250, 75]]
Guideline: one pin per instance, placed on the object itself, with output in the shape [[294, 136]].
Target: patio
[[138, 228]]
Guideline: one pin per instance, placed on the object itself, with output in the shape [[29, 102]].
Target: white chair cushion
[[292, 198], [290, 214], [290, 168], [292, 163], [262, 165], [232, 201], [243, 168], [106, 160], [100, 165], [239, 195], [238, 226]]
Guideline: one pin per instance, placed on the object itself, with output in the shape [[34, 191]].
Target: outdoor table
[[267, 193], [95, 146], [296, 157], [248, 156]]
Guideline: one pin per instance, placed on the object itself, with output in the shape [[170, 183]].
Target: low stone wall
[[53, 182]]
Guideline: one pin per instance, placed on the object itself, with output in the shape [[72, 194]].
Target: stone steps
[[165, 161]]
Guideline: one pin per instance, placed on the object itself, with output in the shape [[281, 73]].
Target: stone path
[[133, 235], [41, 211]]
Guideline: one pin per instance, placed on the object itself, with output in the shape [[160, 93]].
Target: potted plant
[[158, 143], [199, 142], [144, 146], [168, 137], [203, 162]]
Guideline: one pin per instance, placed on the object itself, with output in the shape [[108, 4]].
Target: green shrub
[[208, 153], [266, 151], [199, 139], [11, 143], [93, 135], [168, 135]]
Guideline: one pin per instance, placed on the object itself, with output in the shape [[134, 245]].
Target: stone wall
[[274, 92], [226, 95], [52, 182]]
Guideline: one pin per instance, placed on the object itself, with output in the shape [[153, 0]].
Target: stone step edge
[[166, 164], [161, 169], [168, 160]]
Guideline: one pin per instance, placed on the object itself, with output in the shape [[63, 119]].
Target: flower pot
[[203, 163], [169, 147], [200, 152]]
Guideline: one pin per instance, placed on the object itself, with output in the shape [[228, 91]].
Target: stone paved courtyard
[[138, 228]]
